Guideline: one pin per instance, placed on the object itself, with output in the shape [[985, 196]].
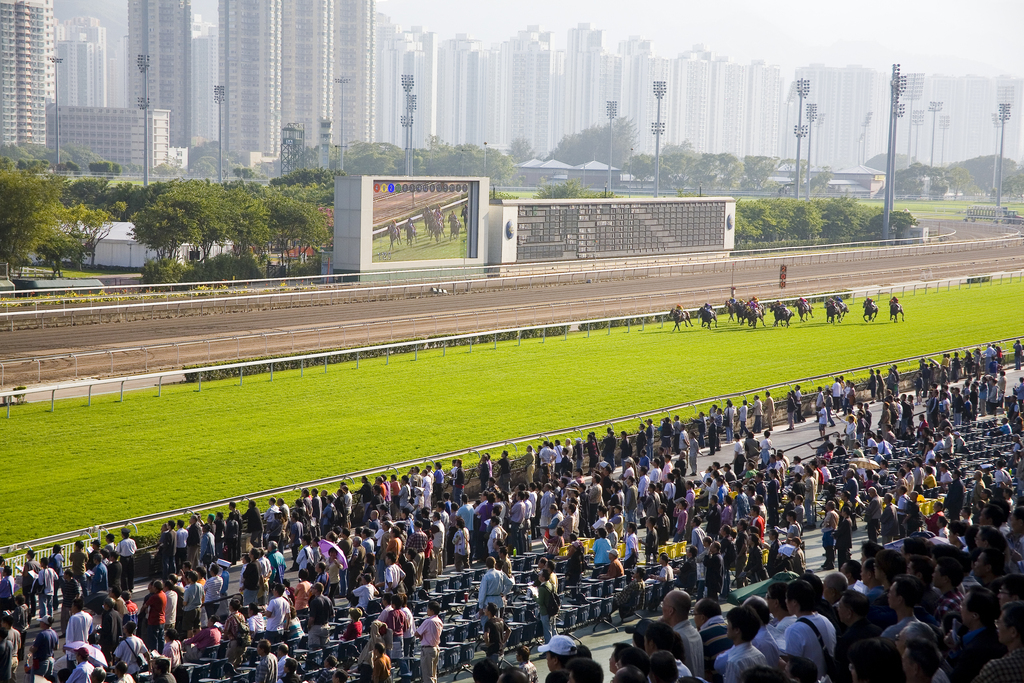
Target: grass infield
[[82, 466]]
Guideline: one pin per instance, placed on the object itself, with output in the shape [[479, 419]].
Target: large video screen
[[416, 220]]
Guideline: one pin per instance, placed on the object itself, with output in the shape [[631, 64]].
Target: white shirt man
[[737, 659], [278, 610], [801, 640]]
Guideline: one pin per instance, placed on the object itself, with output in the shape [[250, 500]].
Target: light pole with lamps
[[485, 158], [143, 63], [864, 135], [897, 84], [812, 116], [341, 131], [56, 108], [218, 97], [803, 88], [944, 125], [1004, 116], [916, 121], [934, 108], [660, 88], [613, 109], [410, 104]]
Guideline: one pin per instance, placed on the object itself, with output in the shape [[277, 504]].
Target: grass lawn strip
[[84, 466]]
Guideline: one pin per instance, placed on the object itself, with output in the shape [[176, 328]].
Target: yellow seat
[[764, 556], [563, 551]]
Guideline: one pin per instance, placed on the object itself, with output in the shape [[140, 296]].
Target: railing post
[[159, 386], [90, 396], [53, 394], [241, 376], [122, 392], [302, 367]]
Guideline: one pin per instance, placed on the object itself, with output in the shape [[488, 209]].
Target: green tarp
[[737, 597]]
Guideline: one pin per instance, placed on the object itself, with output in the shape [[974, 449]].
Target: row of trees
[[835, 220], [61, 220]]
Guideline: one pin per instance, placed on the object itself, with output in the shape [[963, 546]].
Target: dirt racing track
[[151, 342]]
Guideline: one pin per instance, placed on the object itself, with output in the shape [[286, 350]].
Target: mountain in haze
[[113, 14]]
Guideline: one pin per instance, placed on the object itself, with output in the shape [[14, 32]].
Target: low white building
[[120, 249]]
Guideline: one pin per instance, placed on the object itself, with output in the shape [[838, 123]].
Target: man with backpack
[[548, 603], [811, 636]]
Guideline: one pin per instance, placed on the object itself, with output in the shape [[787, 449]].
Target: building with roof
[[593, 174]]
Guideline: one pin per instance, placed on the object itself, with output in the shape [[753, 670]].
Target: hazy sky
[[935, 36]]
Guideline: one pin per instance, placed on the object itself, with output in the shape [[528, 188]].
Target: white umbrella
[[863, 464], [96, 657]]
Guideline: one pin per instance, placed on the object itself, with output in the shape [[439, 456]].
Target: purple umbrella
[[325, 549]]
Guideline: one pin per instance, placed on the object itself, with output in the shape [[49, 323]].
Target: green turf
[[83, 466], [424, 248]]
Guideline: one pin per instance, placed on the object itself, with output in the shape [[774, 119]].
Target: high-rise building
[[205, 75], [162, 30], [764, 93], [26, 73], [970, 103], [354, 58], [844, 96], [592, 78], [405, 53], [113, 133], [82, 78], [462, 90], [640, 69], [250, 56], [307, 63], [535, 100]]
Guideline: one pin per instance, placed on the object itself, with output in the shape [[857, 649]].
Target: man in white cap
[[558, 651]]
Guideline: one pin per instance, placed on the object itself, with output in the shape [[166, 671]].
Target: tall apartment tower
[[640, 69], [764, 92], [844, 96], [162, 29], [462, 92], [354, 58], [400, 53], [82, 45], [535, 100], [205, 75], [592, 78], [26, 73], [250, 57], [307, 63]]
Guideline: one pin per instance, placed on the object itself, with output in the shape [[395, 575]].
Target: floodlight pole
[[143, 63], [341, 131], [812, 116], [944, 125], [218, 97], [897, 85], [864, 135], [56, 108], [934, 108], [803, 88], [660, 88], [613, 109], [1004, 116], [410, 104]]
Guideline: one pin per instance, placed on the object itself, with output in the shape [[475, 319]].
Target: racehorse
[[782, 314], [707, 316], [435, 226], [680, 315], [394, 233], [454, 225], [896, 309], [410, 232], [870, 310], [835, 309], [804, 308], [733, 307], [751, 313]]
